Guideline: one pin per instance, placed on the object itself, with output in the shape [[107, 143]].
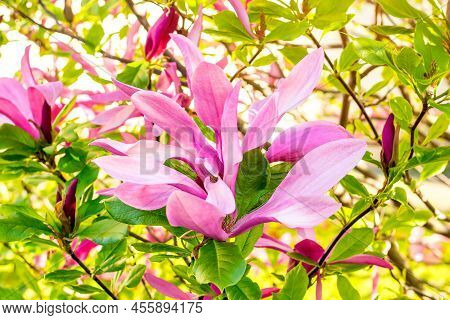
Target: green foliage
[[354, 242], [295, 285], [245, 289], [346, 290], [220, 263], [105, 231]]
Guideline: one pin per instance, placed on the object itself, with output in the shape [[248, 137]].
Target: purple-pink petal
[[301, 81], [269, 242], [191, 54], [210, 88], [365, 259], [242, 15], [292, 144], [144, 197], [191, 212], [167, 288]]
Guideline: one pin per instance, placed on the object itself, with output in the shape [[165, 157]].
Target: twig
[[260, 48], [349, 90], [69, 250], [138, 237]]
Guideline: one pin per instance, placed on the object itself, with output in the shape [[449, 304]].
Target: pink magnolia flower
[[158, 35], [314, 251], [326, 153], [241, 12], [32, 107]]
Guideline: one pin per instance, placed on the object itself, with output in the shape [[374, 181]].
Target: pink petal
[[242, 15], [309, 249], [192, 55], [158, 35], [191, 212], [267, 241], [292, 144], [262, 126], [144, 197], [196, 30], [27, 73], [220, 195], [268, 292], [108, 97], [293, 212], [113, 118], [210, 88], [168, 115], [365, 259], [301, 81], [131, 40], [125, 88], [12, 90], [229, 135], [321, 168], [167, 288], [11, 112], [146, 172]]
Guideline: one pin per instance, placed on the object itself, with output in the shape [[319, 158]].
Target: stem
[[249, 63], [136, 236], [344, 230], [69, 250], [348, 89], [416, 124]]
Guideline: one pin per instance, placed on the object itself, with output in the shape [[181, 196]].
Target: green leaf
[[431, 169], [135, 276], [401, 109], [330, 14], [251, 180], [408, 60], [348, 58], [437, 128], [246, 241], [245, 289], [94, 36], [295, 285], [160, 247], [86, 289], [352, 243], [288, 31], [121, 212], [399, 8], [220, 263], [371, 51], [181, 167], [111, 258], [299, 257], [135, 74], [346, 290], [352, 185], [18, 223], [294, 54], [390, 30], [264, 61], [105, 231], [63, 275], [16, 140], [230, 26], [445, 108], [428, 155]]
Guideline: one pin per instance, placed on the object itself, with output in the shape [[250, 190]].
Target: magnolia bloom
[[158, 35], [32, 107], [322, 153], [314, 251]]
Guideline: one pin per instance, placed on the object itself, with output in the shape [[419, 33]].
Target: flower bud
[[389, 139], [66, 208], [46, 122], [158, 35]]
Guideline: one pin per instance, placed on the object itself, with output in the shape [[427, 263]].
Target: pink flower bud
[[70, 204], [158, 35], [387, 141]]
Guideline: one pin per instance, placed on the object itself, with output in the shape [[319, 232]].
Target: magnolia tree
[[220, 150]]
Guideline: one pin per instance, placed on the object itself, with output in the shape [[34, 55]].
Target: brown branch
[[348, 89], [142, 20], [69, 250], [70, 34]]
